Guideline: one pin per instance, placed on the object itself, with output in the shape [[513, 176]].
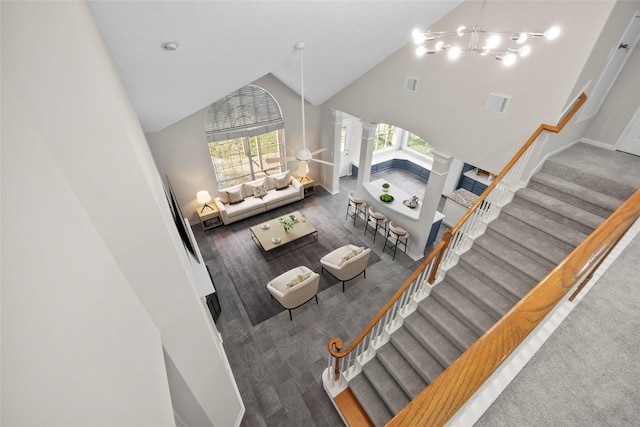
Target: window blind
[[247, 112]]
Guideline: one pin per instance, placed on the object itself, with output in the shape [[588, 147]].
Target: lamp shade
[[303, 169], [203, 196]]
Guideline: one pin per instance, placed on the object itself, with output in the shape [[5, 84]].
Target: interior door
[[630, 138], [345, 164]]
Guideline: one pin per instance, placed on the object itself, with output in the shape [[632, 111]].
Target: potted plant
[[385, 187]]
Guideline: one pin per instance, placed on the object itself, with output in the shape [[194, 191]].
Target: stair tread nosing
[[513, 258], [569, 235], [418, 356], [460, 334], [434, 341], [472, 315], [586, 194], [401, 370], [386, 386], [523, 240], [371, 402], [476, 289], [560, 208], [516, 286]]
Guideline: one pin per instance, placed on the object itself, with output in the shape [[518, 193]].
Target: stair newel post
[[335, 346], [446, 238]]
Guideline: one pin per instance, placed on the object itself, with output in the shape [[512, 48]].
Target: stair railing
[[498, 193], [348, 362], [440, 401]]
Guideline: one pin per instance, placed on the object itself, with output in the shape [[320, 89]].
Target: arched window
[[389, 136], [244, 129]]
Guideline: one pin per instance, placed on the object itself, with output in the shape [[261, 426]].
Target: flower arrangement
[[287, 223]]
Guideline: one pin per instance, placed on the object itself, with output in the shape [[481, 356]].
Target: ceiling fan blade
[[279, 159], [324, 162], [313, 153]]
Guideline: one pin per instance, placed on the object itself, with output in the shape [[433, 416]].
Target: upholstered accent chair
[[295, 287], [346, 262]]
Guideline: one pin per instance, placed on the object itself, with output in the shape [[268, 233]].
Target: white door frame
[[344, 168], [629, 142]]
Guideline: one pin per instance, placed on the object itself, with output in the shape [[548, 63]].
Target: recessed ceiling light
[[170, 46]]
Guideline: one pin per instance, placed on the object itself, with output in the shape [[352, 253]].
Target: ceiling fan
[[303, 155]]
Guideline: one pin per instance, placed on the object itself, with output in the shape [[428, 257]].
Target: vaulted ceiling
[[224, 45]]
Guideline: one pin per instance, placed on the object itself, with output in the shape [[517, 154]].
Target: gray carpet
[[249, 270], [587, 373]]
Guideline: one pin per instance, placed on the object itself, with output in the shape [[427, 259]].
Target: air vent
[[411, 84], [497, 103]]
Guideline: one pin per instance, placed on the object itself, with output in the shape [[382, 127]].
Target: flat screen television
[[178, 218]]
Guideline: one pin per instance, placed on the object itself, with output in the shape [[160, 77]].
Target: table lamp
[[204, 197], [302, 171]]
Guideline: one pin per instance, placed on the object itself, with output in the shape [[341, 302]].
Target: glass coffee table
[[273, 241]]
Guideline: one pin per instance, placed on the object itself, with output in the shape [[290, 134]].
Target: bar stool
[[396, 236], [376, 220], [359, 207]]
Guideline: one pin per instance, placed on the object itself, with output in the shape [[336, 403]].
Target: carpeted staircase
[[561, 205]]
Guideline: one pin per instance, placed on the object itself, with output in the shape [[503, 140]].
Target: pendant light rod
[[300, 46]]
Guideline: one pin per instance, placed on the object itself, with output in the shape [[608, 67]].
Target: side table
[[308, 185], [209, 217]]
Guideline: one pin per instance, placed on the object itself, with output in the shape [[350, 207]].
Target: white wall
[[78, 347], [622, 101], [95, 278], [181, 150], [448, 109]]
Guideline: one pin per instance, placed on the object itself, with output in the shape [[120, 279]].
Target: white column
[[334, 131], [435, 184], [366, 153]]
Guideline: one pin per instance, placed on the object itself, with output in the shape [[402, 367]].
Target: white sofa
[[239, 202]]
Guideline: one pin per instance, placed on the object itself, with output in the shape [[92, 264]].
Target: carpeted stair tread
[[370, 400], [385, 385], [512, 259], [569, 235], [473, 316], [483, 295], [504, 281], [581, 196], [432, 339], [401, 370], [536, 234], [419, 357], [555, 208], [597, 169], [522, 239], [457, 332]]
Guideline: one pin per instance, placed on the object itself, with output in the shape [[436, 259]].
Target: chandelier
[[480, 42]]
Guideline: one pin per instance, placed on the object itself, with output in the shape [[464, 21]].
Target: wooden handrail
[[452, 388], [543, 127], [335, 344]]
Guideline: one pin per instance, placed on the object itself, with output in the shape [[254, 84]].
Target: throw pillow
[[224, 197], [235, 196], [282, 182], [260, 190], [350, 254], [297, 279]]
